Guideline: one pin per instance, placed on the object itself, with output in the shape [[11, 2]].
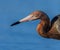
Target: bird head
[[33, 16]]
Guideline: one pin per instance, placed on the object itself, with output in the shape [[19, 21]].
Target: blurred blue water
[[24, 36]]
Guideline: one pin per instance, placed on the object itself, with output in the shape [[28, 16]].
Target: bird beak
[[28, 18]]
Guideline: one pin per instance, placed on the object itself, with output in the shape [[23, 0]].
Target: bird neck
[[44, 26]]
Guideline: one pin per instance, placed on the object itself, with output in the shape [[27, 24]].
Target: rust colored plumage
[[46, 28]]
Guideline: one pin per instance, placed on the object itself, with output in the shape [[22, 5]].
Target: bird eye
[[35, 15]]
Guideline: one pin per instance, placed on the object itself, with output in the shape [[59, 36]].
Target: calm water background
[[24, 36]]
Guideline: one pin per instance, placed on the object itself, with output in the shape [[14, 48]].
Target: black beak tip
[[15, 23]]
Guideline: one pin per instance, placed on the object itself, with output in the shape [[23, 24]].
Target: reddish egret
[[46, 28]]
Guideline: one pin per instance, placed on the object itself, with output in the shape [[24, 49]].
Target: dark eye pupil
[[36, 16]]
